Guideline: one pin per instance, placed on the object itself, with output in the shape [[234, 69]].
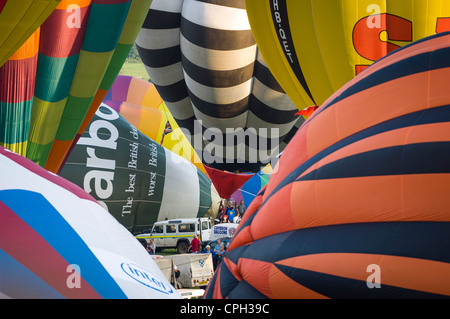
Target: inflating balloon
[[19, 20], [139, 103], [17, 80], [252, 187], [138, 181], [204, 62], [58, 242], [315, 47], [358, 205], [82, 46]]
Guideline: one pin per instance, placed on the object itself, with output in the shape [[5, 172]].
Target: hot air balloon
[[58, 242], [17, 80], [358, 204], [20, 19], [315, 47], [83, 45], [134, 178], [252, 187], [139, 103], [204, 62]]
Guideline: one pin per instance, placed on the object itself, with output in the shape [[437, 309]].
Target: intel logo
[[147, 279]]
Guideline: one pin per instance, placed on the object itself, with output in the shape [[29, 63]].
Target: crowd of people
[[229, 212]]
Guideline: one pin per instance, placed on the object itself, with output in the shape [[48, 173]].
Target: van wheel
[[182, 247]]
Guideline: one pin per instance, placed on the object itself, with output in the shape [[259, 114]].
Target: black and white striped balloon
[[205, 64]]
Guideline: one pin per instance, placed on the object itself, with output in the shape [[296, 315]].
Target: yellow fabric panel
[[46, 122], [19, 19], [152, 98], [19, 148], [86, 79], [150, 123]]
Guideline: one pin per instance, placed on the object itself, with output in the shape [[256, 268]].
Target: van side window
[[206, 225], [186, 228], [171, 228], [158, 229]]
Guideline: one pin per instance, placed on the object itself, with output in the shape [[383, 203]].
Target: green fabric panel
[[45, 119], [38, 153], [54, 77], [74, 113], [89, 73], [15, 122], [120, 167], [105, 26], [117, 60], [154, 162], [205, 193]]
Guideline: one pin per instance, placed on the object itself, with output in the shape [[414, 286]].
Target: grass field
[[135, 69]]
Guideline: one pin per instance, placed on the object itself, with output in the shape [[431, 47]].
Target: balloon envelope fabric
[[58, 242], [313, 47], [358, 206], [203, 59], [138, 181], [251, 188], [139, 103], [19, 20]]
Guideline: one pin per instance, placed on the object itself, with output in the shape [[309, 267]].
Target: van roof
[[181, 220]]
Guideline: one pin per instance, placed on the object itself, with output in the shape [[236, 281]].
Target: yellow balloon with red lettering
[[313, 47]]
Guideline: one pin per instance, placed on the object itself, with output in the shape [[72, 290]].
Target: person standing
[[195, 244], [151, 247], [231, 212], [241, 208]]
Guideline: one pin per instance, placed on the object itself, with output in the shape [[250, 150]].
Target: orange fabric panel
[[30, 48], [347, 117], [152, 97], [283, 287], [58, 151], [136, 91], [131, 112], [370, 199], [410, 273], [66, 3], [277, 217], [151, 115]]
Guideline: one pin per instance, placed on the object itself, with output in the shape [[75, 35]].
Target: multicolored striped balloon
[[58, 242], [134, 178], [82, 48], [358, 206], [17, 80], [252, 187], [139, 103]]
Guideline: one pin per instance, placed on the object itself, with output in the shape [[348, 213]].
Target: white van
[[178, 233]]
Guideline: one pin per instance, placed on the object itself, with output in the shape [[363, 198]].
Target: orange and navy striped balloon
[[359, 205]]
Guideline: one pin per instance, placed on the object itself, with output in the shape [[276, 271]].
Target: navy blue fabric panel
[[245, 291], [423, 158], [157, 19], [425, 240], [159, 58], [345, 288], [227, 280]]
